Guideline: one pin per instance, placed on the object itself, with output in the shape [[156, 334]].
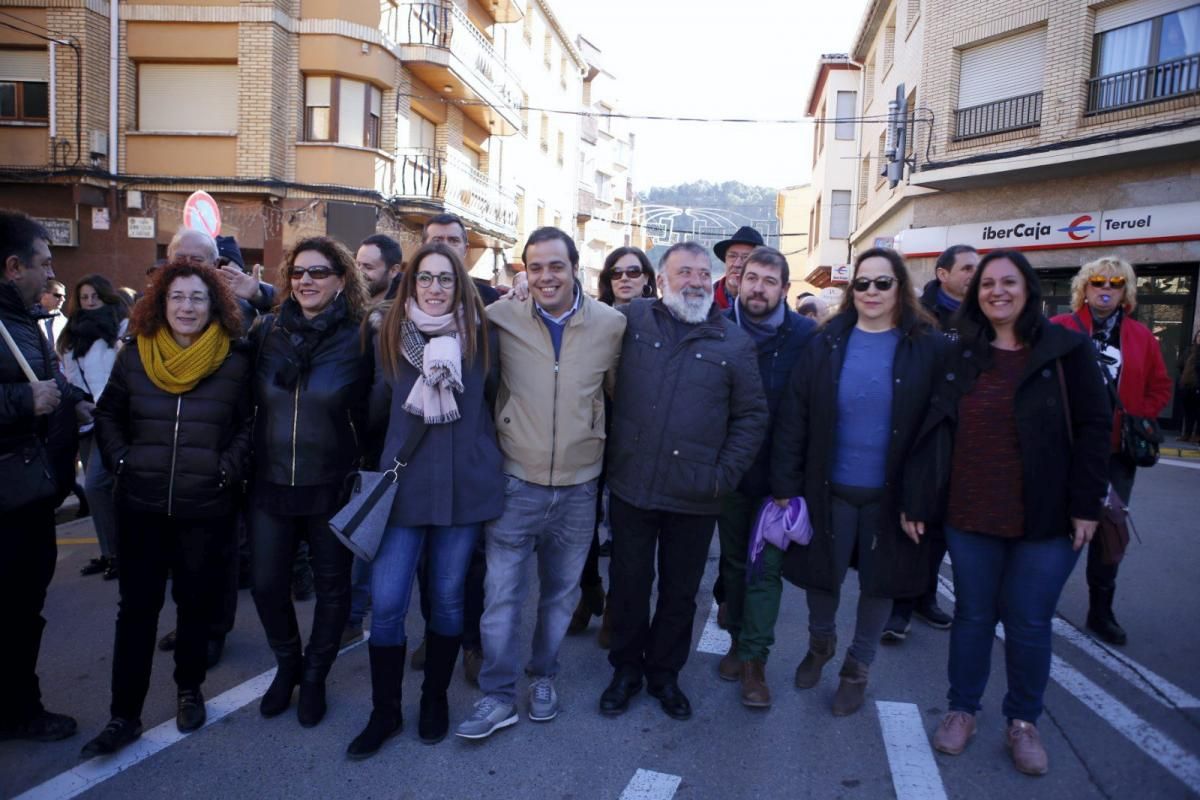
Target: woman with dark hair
[[627, 275], [435, 376], [96, 321], [842, 436], [173, 427], [1012, 458], [312, 377]]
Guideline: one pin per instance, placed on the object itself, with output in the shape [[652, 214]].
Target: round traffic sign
[[201, 213]]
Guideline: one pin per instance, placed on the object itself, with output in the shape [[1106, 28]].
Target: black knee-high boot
[[440, 654], [387, 678]]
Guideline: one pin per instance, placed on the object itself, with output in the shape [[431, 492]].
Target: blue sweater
[[864, 409]]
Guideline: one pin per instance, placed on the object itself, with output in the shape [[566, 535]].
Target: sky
[[703, 58]]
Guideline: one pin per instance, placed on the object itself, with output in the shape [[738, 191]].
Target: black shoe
[[310, 708], [615, 699], [216, 647], [191, 715], [111, 572], [897, 628], [1106, 627], [279, 694], [45, 726], [380, 727], [933, 616], [434, 722], [167, 643], [672, 699], [94, 566], [116, 734]]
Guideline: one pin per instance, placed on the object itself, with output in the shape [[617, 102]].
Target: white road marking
[[1151, 741], [649, 785], [915, 774], [1170, 462], [712, 638], [95, 771]]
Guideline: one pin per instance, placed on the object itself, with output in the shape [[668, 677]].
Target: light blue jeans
[[556, 523]]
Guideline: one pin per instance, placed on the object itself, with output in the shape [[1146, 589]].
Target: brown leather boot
[[755, 693], [852, 689], [730, 666], [808, 674]]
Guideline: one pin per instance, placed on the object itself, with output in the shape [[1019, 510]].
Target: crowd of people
[[671, 406]]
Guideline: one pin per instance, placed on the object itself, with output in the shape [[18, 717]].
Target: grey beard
[[690, 310]]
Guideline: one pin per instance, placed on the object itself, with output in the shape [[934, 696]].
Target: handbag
[[360, 524], [25, 471]]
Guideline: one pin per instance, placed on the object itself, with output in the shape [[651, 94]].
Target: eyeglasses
[[882, 283], [195, 300], [1101, 282], [737, 258], [316, 273], [633, 273], [444, 279]]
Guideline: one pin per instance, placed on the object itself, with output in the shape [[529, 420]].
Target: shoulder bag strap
[[415, 434]]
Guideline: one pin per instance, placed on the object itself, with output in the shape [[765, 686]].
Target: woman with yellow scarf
[[173, 426]]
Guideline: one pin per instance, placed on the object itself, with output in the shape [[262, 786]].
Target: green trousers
[[751, 609]]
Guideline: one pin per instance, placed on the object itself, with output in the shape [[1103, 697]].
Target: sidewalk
[[1176, 449]]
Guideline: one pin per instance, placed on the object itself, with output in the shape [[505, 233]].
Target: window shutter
[[1010, 67], [1133, 11], [24, 65], [188, 97], [352, 99]]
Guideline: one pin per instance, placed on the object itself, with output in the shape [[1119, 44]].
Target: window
[[812, 226], [815, 231], [846, 109], [24, 87], [1000, 85], [422, 133], [819, 137], [839, 214], [864, 172], [881, 159], [562, 147], [603, 187], [910, 137], [541, 214], [345, 111], [562, 71], [889, 46], [545, 132], [1142, 60], [869, 82], [913, 13], [527, 23], [187, 97], [548, 49]]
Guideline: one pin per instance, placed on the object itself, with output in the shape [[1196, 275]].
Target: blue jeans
[[1017, 582], [556, 522], [394, 570], [360, 592]]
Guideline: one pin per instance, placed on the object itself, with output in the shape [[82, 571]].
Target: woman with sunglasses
[[1103, 298], [841, 439], [435, 378], [311, 384], [627, 275], [1011, 459]]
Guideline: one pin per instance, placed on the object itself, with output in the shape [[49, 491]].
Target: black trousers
[[1101, 576], [26, 567], [655, 648], [472, 595], [274, 538], [936, 551], [193, 552]]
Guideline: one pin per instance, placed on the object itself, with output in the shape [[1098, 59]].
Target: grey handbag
[[361, 522]]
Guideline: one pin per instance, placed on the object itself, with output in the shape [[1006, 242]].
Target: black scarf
[[305, 336], [86, 327]]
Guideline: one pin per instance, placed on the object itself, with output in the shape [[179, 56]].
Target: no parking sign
[[201, 213]]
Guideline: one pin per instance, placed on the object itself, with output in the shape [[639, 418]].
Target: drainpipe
[[53, 101], [114, 32]]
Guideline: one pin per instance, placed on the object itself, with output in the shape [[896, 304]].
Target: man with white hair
[[689, 416]]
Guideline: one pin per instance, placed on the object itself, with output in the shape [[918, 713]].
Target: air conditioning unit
[[98, 144]]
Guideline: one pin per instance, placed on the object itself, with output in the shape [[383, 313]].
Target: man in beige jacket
[[558, 353]]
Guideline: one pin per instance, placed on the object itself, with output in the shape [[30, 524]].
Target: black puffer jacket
[[310, 435], [688, 417], [184, 455], [804, 447]]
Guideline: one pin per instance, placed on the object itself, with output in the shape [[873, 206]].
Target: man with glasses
[[52, 301], [449, 230], [733, 252]]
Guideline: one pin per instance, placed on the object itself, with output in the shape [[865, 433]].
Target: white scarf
[[439, 360]]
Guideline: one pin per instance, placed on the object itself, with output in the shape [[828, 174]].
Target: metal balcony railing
[[1135, 87], [449, 178], [1009, 114], [444, 26]]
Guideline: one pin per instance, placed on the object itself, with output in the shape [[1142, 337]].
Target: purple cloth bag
[[779, 526]]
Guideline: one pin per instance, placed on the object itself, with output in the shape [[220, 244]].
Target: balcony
[[444, 49], [1136, 87], [999, 116], [447, 182], [585, 204]]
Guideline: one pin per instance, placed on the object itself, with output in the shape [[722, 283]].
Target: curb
[[1179, 452]]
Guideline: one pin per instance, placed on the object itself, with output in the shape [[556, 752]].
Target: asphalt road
[[1117, 726]]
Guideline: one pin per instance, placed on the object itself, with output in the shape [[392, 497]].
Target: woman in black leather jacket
[[312, 379]]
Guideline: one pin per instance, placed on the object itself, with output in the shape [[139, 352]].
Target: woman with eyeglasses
[[173, 427], [626, 276], [312, 379], [1103, 298], [436, 371], [1011, 459], [97, 318], [841, 439]]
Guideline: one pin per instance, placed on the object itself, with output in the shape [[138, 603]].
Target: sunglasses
[[882, 283], [633, 273], [1101, 282], [444, 279], [316, 273]]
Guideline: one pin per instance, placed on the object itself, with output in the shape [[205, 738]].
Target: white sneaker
[[543, 700], [490, 715]]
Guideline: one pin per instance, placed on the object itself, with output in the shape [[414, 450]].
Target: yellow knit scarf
[[176, 369]]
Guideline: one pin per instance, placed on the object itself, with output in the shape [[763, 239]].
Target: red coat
[[1144, 386]]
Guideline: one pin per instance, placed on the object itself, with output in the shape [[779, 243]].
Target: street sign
[[201, 213], [140, 227], [839, 273]]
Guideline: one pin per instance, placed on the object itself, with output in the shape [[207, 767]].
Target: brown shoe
[[1026, 745], [730, 666], [755, 693], [808, 674], [852, 689], [954, 732], [604, 636]]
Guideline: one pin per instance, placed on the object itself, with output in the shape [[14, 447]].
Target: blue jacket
[[776, 358]]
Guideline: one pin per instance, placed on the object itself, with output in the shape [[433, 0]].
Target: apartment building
[[793, 209]]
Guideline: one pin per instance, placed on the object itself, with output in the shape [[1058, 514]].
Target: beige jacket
[[550, 415]]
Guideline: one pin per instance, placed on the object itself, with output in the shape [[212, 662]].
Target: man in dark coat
[[689, 417], [952, 275], [779, 335], [36, 419]]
